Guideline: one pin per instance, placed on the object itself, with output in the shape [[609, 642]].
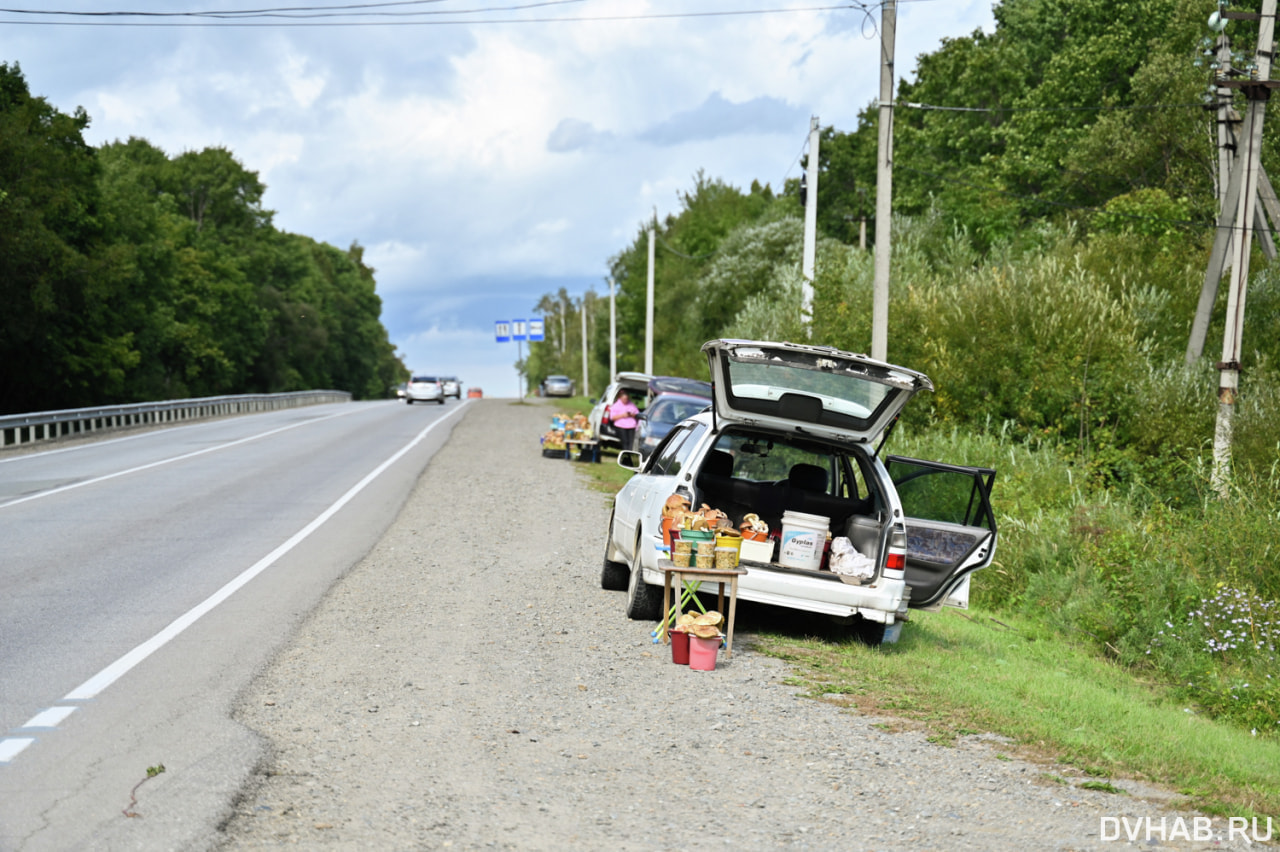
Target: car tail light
[[895, 562]]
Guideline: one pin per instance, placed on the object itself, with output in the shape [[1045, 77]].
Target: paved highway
[[146, 579]]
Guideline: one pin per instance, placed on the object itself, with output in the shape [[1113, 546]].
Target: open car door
[[951, 530]]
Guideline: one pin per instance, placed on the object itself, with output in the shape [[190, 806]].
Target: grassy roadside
[[956, 673], [961, 673]]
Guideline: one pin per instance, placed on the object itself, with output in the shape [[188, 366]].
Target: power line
[[678, 253], [301, 11], [935, 107], [238, 18]]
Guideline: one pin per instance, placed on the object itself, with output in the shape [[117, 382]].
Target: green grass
[[957, 673]]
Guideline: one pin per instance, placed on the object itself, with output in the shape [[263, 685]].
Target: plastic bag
[[847, 561]]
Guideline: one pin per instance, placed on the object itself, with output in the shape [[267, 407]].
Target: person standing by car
[[622, 414]]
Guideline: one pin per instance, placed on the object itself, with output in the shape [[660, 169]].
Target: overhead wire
[[935, 107], [301, 16]]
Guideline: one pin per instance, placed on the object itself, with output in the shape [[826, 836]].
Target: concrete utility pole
[[1248, 161], [884, 185], [586, 381], [648, 304], [1225, 245], [810, 228], [613, 331]]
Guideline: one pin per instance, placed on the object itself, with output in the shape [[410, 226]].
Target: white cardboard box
[[757, 551]]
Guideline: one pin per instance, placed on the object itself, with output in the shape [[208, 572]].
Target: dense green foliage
[[128, 276], [1048, 254]]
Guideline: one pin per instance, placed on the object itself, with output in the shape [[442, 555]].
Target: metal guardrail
[[18, 429]]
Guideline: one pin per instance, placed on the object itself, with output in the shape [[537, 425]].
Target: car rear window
[[428, 379]]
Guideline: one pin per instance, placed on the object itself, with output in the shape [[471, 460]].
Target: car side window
[[672, 454]]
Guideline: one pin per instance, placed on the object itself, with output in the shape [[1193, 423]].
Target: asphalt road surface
[[147, 578]]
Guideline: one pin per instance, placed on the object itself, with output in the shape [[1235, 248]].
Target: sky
[[483, 159]]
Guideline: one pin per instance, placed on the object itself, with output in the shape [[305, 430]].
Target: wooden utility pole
[[1249, 163], [810, 228], [884, 185]]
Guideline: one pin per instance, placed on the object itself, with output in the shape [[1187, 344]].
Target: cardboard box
[[757, 551]]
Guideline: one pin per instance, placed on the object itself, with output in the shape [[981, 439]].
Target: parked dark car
[[678, 384], [662, 415]]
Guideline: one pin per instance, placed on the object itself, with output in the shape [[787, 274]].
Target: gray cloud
[[573, 134], [716, 117]]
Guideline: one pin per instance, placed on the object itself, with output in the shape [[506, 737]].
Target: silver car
[[424, 389], [794, 432], [557, 386]]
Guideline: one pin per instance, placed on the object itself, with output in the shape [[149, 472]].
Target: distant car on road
[[400, 390], [557, 386], [452, 387], [475, 393], [424, 389]]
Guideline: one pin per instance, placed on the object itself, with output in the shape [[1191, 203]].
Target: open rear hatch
[[811, 390]]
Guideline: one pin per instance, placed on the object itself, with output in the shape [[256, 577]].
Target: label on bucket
[[802, 539], [801, 549]]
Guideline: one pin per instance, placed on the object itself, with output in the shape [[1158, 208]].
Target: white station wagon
[[797, 428]]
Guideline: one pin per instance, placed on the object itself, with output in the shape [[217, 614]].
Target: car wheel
[[644, 602], [869, 632], [440, 400], [614, 576], [408, 400]]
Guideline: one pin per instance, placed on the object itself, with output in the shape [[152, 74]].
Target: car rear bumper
[[827, 595]]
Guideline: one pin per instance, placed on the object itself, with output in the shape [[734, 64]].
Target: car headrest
[[808, 477], [718, 463]]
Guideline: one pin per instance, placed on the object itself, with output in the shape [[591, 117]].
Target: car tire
[[440, 400], [644, 602], [614, 576], [869, 632], [408, 400]]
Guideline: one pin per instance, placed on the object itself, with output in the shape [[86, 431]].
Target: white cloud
[[482, 166]]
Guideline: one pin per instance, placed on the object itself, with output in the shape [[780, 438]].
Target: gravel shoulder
[[469, 685]]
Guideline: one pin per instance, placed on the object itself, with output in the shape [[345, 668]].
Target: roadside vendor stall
[[569, 433]]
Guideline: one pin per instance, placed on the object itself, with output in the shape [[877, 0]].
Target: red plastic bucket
[[702, 653], [679, 647]]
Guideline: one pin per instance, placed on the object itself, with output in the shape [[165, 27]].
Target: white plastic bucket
[[803, 537]]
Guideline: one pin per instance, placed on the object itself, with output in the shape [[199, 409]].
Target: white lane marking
[[13, 746], [113, 672], [49, 718], [190, 455]]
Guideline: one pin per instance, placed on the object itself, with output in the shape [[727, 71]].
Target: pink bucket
[[702, 653]]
